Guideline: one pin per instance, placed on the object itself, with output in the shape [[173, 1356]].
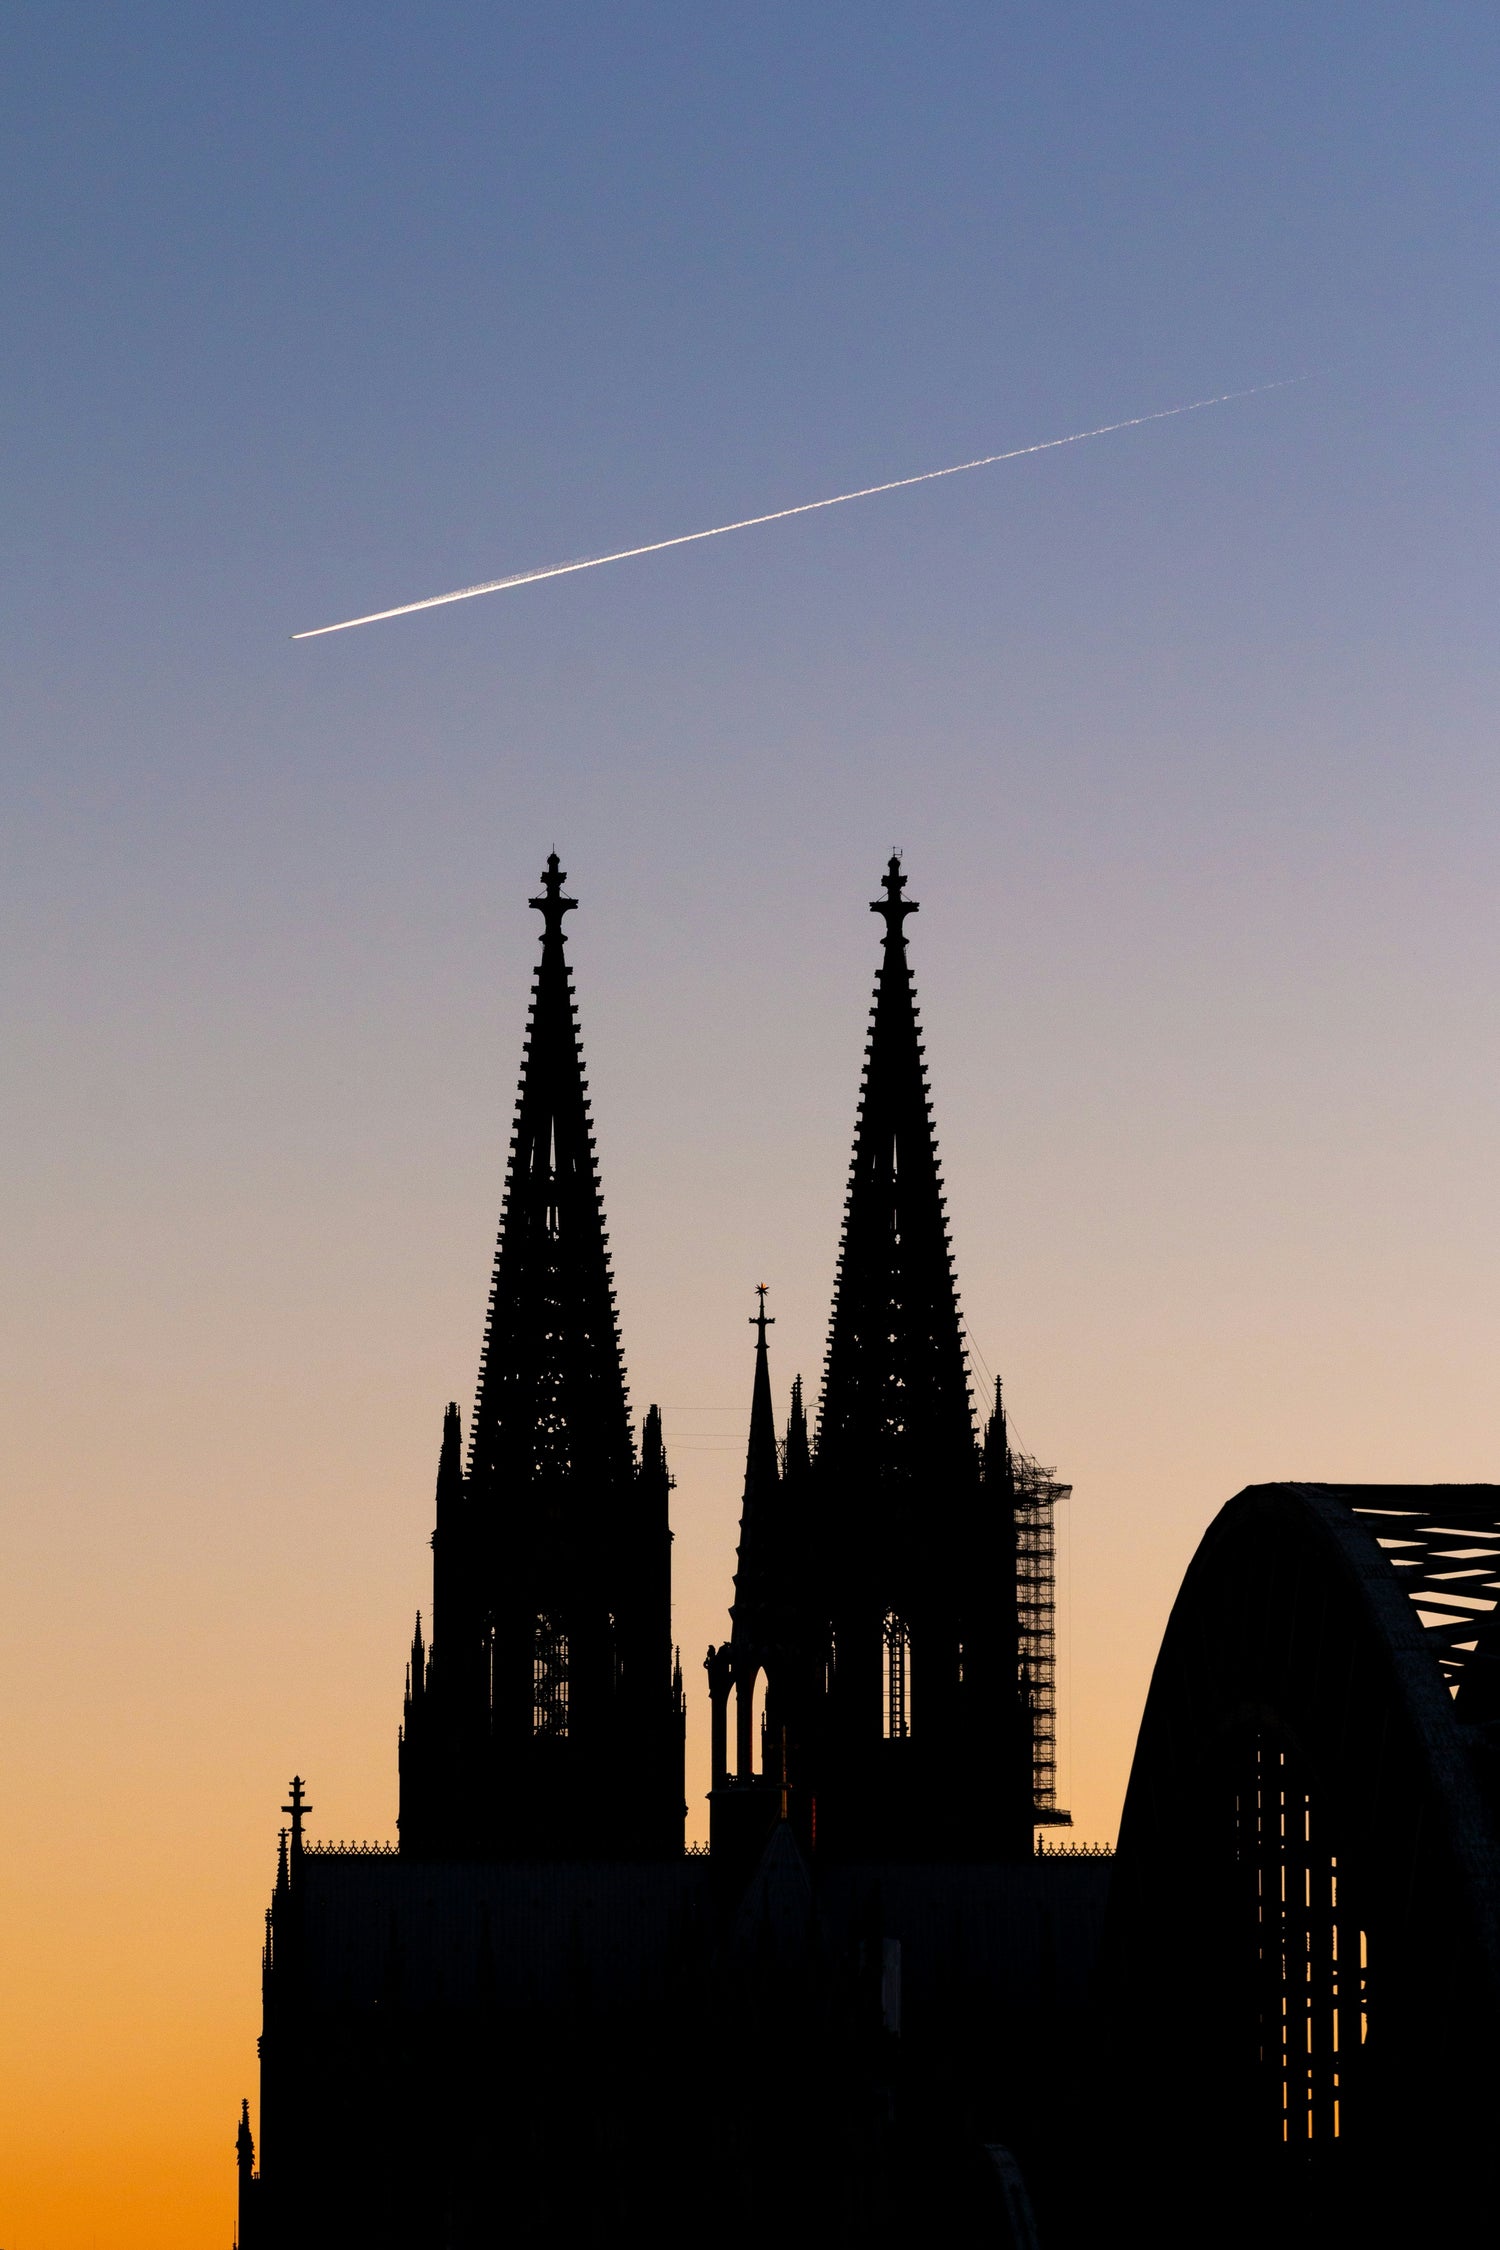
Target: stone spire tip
[[552, 906], [893, 906]]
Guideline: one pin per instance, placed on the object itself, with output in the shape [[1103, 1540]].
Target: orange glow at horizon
[[218, 1575], [1187, 738]]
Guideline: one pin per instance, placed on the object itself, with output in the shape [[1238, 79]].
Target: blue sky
[[1188, 735]]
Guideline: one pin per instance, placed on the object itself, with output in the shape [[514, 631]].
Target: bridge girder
[[1304, 1941]]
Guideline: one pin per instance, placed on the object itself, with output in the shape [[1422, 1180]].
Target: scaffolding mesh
[[1037, 1495]]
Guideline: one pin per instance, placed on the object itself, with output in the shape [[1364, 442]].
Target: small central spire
[[762, 1481], [552, 906], [893, 906]]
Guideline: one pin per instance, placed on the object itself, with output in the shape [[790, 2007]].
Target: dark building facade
[[539, 2018]]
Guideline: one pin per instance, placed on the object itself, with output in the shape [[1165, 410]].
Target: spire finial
[[760, 1319], [893, 906], [552, 906], [298, 1808]]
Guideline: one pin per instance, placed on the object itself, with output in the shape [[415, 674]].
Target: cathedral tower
[[923, 1745], [544, 1721], [877, 1588]]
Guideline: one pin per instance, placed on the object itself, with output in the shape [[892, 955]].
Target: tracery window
[[896, 1677], [549, 1678]]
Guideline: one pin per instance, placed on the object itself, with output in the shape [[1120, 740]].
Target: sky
[[1186, 736]]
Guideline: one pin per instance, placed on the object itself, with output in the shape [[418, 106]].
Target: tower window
[[549, 1678], [896, 1676]]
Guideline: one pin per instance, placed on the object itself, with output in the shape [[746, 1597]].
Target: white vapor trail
[[778, 515]]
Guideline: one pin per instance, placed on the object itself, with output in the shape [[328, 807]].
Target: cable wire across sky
[[779, 515]]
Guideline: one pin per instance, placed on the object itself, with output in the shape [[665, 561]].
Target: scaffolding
[[1037, 1494]]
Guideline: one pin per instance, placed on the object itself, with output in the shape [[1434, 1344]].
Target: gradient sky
[[1188, 737]]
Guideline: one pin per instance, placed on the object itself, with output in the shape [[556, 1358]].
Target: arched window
[[549, 1678], [758, 1725], [896, 1676]]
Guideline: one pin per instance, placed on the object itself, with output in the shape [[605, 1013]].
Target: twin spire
[[551, 1371], [551, 1403], [895, 1386], [544, 1716], [875, 1603], [896, 1382]]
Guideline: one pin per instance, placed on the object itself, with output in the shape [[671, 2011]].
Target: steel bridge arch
[[1303, 1946]]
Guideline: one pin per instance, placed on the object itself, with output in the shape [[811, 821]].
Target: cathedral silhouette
[[539, 2018]]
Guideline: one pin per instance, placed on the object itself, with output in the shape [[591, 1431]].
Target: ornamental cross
[[297, 1808], [552, 906], [893, 906]]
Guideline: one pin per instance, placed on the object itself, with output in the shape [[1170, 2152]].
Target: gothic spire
[[762, 1475], [998, 1468], [545, 1725], [761, 1467], [796, 1460], [551, 1407], [895, 1387]]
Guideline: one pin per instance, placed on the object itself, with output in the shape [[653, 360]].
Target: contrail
[[779, 515]]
